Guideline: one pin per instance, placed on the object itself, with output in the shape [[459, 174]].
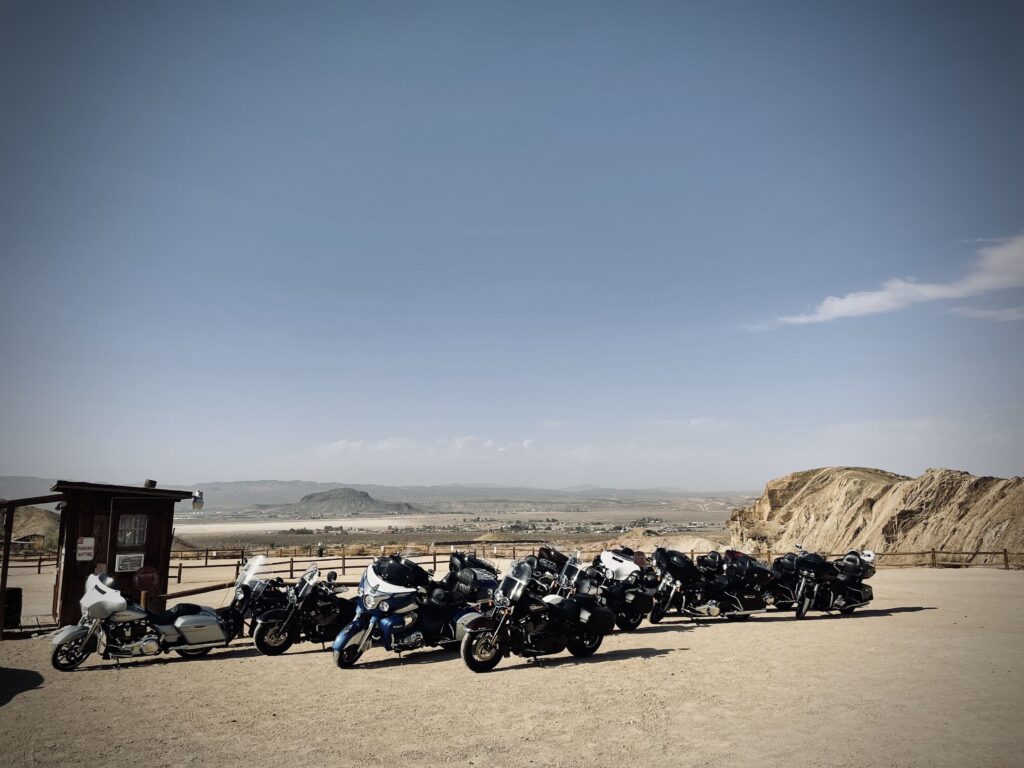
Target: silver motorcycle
[[119, 629]]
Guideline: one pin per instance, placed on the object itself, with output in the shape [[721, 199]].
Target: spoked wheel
[[803, 606], [584, 645], [272, 639], [657, 613], [629, 621], [193, 653], [482, 652], [69, 655], [347, 657]]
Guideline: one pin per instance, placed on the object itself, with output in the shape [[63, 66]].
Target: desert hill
[[833, 508], [347, 501], [30, 520]]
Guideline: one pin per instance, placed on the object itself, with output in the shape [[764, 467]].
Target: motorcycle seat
[[447, 598], [563, 608], [171, 615]]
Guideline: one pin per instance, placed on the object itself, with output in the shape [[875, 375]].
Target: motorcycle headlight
[[239, 594], [385, 606], [369, 602], [500, 598]]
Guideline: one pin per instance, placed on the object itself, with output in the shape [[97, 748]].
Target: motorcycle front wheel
[[629, 621], [272, 639], [657, 614], [69, 655], [347, 657], [584, 645], [481, 651], [804, 606]]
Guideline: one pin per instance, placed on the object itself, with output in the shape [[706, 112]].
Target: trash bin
[[12, 608]]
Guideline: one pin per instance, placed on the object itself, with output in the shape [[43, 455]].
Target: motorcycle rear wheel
[[584, 645], [480, 652], [270, 640], [193, 653], [68, 655]]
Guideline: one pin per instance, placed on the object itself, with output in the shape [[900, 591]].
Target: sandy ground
[[931, 675]]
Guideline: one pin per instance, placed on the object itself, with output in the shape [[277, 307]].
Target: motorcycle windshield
[[251, 571], [305, 583], [514, 584]]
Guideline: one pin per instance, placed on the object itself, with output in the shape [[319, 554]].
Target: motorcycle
[[124, 630], [314, 612], [834, 586], [400, 608], [787, 578], [735, 586], [527, 622], [617, 580], [254, 596], [679, 583]]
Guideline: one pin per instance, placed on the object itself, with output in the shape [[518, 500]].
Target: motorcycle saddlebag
[[593, 615], [202, 627]]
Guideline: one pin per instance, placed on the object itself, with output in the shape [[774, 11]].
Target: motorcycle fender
[[274, 615], [70, 632], [463, 622], [354, 630], [480, 623]]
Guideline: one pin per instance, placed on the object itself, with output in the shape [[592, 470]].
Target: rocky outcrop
[[835, 508]]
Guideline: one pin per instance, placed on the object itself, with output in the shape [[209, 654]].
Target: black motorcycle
[[678, 583], [834, 586], [527, 621], [735, 586], [255, 596], [787, 578], [314, 612], [617, 580]]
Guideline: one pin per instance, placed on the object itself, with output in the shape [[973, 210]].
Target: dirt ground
[[932, 674]]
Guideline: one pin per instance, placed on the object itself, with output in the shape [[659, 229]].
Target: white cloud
[[997, 267], [1005, 315]]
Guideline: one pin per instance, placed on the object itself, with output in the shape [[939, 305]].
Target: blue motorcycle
[[400, 608]]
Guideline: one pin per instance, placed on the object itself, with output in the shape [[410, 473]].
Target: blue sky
[[536, 243]]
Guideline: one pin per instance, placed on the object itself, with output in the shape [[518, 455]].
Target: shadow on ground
[[15, 681], [858, 614]]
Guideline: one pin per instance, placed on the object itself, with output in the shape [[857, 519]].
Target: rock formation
[[836, 508]]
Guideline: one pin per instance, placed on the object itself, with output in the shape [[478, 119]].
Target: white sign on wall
[[132, 562], [85, 550]]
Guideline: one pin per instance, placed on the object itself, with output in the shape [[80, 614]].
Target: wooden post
[[241, 554], [291, 568], [238, 568], [435, 558], [143, 598], [935, 562], [39, 568], [513, 553], [1006, 560], [769, 557], [5, 559], [342, 559], [179, 572], [206, 558], [693, 556]]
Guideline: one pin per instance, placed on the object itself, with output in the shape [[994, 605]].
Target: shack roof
[[121, 490]]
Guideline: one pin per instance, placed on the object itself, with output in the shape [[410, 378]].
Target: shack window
[[131, 530]]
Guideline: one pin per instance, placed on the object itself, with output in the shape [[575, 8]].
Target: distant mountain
[[346, 501], [36, 520]]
